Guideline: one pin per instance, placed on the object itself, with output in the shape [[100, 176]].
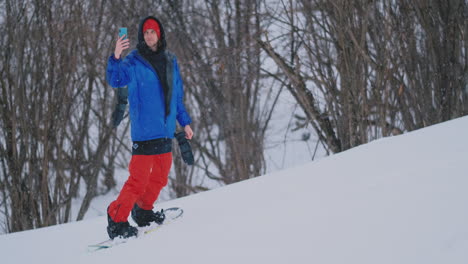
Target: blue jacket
[[146, 97]]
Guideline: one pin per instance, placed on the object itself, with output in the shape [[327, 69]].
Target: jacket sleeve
[[118, 72], [182, 116]]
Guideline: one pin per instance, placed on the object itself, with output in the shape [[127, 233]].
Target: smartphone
[[123, 31]]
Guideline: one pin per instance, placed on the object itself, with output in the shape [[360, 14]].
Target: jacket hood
[[141, 38]]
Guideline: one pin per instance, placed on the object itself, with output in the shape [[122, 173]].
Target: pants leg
[[140, 170], [157, 180]]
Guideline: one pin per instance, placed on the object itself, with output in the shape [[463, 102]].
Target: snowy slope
[[397, 200]]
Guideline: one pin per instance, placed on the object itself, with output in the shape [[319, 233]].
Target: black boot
[[146, 217], [121, 229]]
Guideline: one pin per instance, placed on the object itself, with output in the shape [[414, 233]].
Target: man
[[155, 95]]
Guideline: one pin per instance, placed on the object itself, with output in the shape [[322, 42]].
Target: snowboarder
[[155, 95]]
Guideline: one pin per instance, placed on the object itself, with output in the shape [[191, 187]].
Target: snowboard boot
[[146, 217], [121, 229]]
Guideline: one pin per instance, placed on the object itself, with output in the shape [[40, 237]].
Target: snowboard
[[171, 214]]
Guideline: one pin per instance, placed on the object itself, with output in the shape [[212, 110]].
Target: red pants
[[148, 175]]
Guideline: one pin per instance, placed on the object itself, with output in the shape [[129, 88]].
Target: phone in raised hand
[[123, 31]]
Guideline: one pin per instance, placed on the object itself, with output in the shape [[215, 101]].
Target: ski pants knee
[[148, 175]]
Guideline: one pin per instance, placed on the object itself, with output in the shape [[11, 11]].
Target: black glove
[[185, 148], [119, 111], [118, 114]]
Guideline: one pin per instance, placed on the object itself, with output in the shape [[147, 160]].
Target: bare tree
[[431, 60], [221, 62], [365, 69], [54, 110]]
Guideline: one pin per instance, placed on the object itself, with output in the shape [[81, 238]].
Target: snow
[[396, 200]]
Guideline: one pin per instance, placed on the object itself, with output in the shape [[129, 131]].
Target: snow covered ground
[[396, 200]]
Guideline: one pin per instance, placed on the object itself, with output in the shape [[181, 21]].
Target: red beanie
[[152, 24]]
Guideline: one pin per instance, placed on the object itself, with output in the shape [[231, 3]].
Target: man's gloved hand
[[185, 148], [118, 114], [120, 107]]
